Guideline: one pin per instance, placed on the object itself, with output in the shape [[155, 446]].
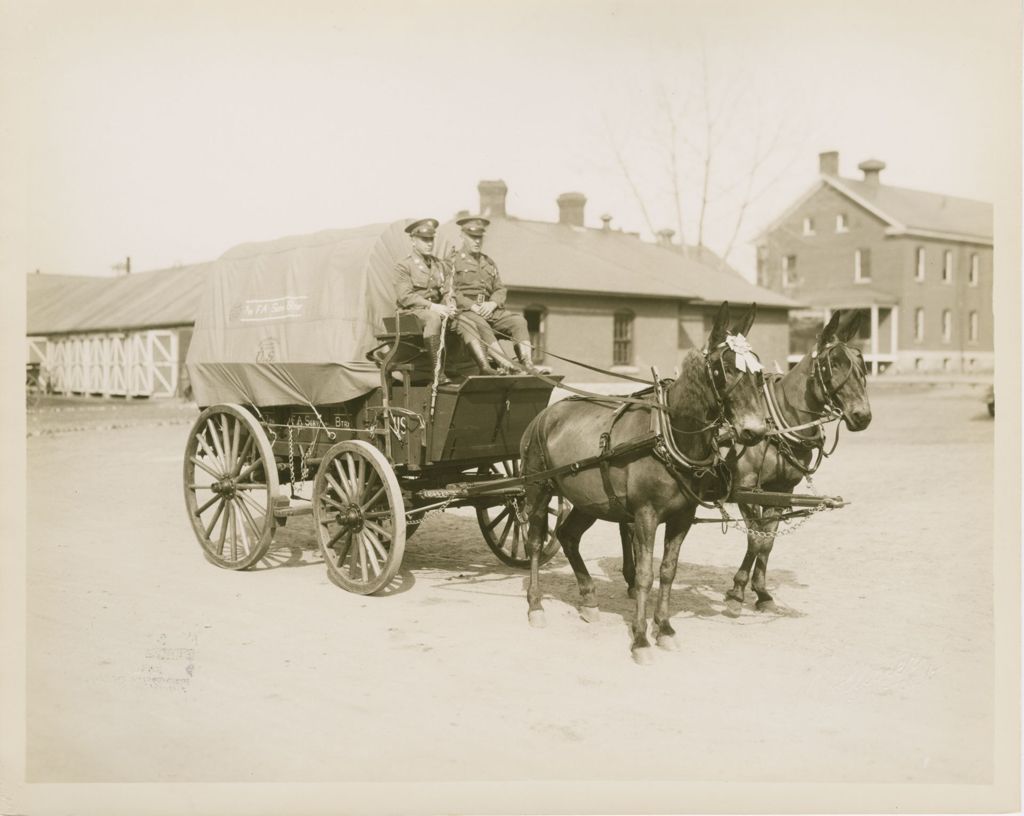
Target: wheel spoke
[[206, 506], [373, 500], [342, 494], [223, 532], [201, 439], [259, 508], [376, 554], [249, 469], [361, 550], [213, 523], [234, 530], [225, 443], [216, 444], [376, 528], [504, 533], [198, 462], [345, 549], [236, 439], [249, 517], [346, 491], [244, 452], [336, 505], [334, 539], [350, 471], [503, 514]]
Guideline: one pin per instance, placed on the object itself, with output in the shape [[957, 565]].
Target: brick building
[[920, 264]]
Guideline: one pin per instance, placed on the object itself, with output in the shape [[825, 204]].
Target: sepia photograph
[[511, 407]]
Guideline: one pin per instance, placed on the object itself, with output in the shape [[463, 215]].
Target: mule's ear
[[743, 326], [720, 327], [829, 331], [850, 325]]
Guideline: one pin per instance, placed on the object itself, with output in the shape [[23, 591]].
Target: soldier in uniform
[[480, 294], [424, 288]]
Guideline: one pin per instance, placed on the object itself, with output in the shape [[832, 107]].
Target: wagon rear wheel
[[359, 517], [230, 484], [505, 534]]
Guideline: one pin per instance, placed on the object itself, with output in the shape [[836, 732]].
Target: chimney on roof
[[872, 168], [828, 163], [492, 198], [570, 209], [606, 223], [665, 237]]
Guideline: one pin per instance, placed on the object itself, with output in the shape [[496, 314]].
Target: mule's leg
[[734, 597], [537, 498], [569, 534], [628, 558], [676, 529], [769, 524], [644, 527]]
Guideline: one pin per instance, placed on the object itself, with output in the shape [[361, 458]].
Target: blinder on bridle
[[824, 374], [714, 362]]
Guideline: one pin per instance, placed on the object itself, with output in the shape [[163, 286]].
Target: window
[[919, 324], [842, 224], [973, 327], [862, 266], [919, 268], [808, 226], [947, 325], [536, 325], [973, 277], [789, 270], [622, 339], [947, 266]]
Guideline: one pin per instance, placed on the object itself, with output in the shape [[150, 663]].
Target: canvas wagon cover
[[290, 321]]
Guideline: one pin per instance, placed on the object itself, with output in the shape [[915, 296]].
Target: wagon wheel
[[359, 516], [230, 484], [505, 534]]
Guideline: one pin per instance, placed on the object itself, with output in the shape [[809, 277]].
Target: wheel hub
[[351, 517], [224, 487]]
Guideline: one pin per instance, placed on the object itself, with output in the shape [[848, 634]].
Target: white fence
[[127, 364]]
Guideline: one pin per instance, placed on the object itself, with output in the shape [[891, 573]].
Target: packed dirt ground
[[146, 663]]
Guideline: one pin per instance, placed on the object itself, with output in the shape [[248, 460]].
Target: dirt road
[[146, 663]]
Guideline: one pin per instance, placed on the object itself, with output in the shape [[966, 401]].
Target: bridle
[[714, 364], [824, 376]]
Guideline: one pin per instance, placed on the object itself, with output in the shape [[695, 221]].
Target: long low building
[[594, 294]]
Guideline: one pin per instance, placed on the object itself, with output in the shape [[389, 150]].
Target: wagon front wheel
[[503, 531], [230, 482], [359, 517]]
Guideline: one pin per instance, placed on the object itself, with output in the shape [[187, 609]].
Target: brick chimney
[[606, 223], [570, 209], [872, 168], [828, 163], [492, 198], [665, 237]]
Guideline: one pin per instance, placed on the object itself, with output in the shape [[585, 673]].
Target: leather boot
[[525, 355], [504, 365], [436, 361], [476, 348]]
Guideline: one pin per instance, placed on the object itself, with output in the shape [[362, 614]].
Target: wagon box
[[306, 380]]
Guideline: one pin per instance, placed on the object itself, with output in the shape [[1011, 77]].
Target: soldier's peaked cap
[[473, 225], [424, 228]]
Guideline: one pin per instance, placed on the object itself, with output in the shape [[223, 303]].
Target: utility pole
[[125, 267]]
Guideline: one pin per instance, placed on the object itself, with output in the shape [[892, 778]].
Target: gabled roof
[[905, 211], [61, 304], [538, 255]]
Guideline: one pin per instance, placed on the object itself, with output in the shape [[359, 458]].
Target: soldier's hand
[[487, 308], [443, 309]]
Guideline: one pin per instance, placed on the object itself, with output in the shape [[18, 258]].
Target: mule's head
[[839, 373], [736, 376]]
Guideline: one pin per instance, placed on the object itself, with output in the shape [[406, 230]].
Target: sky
[[172, 131]]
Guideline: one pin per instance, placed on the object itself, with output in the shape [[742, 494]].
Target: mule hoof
[[537, 619], [631, 592], [643, 656], [591, 614], [766, 606], [733, 608], [668, 643]]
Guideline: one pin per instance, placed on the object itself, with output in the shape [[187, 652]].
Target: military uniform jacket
[[476, 279], [421, 281]]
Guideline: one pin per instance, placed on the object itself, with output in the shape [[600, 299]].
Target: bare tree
[[720, 153]]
